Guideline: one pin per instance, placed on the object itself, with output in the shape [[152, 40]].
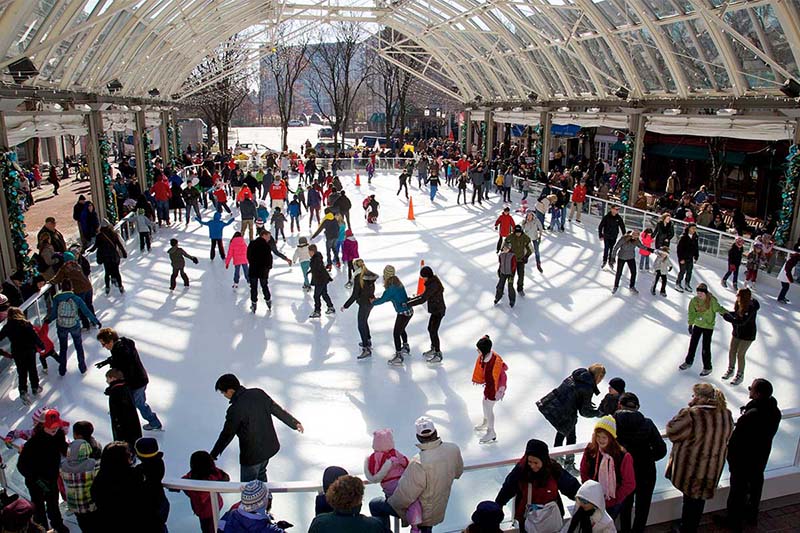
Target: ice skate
[[539, 268], [684, 366], [738, 379], [366, 352], [253, 307], [436, 357], [25, 398], [428, 353], [483, 426], [315, 314], [678, 287], [724, 283], [705, 372], [614, 290], [406, 349], [151, 427], [727, 375], [348, 285], [235, 286], [489, 437], [269, 305], [634, 290], [663, 293], [397, 360], [330, 311], [306, 287], [688, 287]]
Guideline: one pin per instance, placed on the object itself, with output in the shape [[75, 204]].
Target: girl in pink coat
[[349, 254], [237, 252]]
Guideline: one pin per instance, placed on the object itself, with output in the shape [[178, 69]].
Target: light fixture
[[478, 98], [532, 96], [22, 69], [57, 107], [516, 109], [498, 109], [154, 93], [593, 110], [438, 113], [563, 109], [622, 93], [791, 88], [427, 112], [673, 112], [114, 86], [726, 112]]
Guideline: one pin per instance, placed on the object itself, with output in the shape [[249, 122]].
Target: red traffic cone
[[421, 282], [410, 209], [358, 180]]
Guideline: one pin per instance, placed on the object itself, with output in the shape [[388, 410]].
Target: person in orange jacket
[[489, 371], [506, 224]]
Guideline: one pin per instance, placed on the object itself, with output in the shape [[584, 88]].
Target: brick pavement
[[60, 207], [781, 515]]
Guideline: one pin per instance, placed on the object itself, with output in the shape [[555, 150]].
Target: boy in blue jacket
[[66, 311], [294, 214], [215, 227], [395, 292]]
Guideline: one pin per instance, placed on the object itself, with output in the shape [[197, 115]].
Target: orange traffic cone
[[410, 209], [421, 282], [358, 180]]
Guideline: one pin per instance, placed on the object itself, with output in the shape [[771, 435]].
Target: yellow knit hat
[[608, 424]]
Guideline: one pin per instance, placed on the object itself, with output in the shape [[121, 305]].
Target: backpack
[[67, 314]]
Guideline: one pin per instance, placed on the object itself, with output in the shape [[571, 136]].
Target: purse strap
[[530, 495]]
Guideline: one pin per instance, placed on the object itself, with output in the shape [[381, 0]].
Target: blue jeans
[[305, 266], [250, 472], [63, 337], [540, 216], [434, 188], [380, 509], [245, 267], [644, 262], [140, 401], [162, 210], [536, 251]]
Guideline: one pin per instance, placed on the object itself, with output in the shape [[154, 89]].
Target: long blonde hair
[[708, 394]]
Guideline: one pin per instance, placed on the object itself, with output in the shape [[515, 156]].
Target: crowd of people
[[119, 486]]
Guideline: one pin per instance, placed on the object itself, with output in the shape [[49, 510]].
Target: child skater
[[176, 258], [24, 342], [371, 206], [221, 198], [385, 466], [261, 211], [202, 467], [644, 254], [490, 371], [215, 229], [754, 259], [294, 214], [302, 256], [278, 222], [237, 252], [661, 266], [349, 254], [144, 226], [734, 262]]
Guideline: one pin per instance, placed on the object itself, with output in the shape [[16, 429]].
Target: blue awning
[[565, 130]]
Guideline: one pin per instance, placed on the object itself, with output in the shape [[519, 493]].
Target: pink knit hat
[[382, 440]]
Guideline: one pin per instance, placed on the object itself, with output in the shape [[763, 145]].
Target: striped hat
[[608, 424], [254, 496]]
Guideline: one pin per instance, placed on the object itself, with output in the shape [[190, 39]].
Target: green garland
[[788, 193], [149, 173], [537, 152], [624, 177], [108, 186], [486, 149], [171, 145], [16, 217], [463, 137], [178, 140]]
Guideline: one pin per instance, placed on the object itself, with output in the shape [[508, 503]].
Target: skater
[[331, 227], [422, 170], [320, 279], [734, 262], [562, 405], [278, 192], [489, 371], [278, 223], [703, 310], [625, 252], [755, 257], [610, 402], [371, 206], [743, 319], [665, 231], [609, 229], [125, 423], [259, 257], [151, 470], [385, 465], [604, 458], [340, 236], [505, 222], [342, 205], [162, 192], [66, 311], [215, 229], [477, 178], [110, 249], [237, 253], [533, 228], [191, 197], [463, 179], [178, 263], [144, 227], [78, 471], [688, 254], [434, 296], [370, 171], [261, 213], [363, 294], [202, 468], [786, 275], [578, 197], [543, 206], [125, 357], [302, 257], [249, 212], [24, 342], [433, 185], [176, 202], [395, 292], [249, 417], [646, 238], [505, 273], [294, 214], [314, 199], [661, 267], [349, 255], [403, 178]]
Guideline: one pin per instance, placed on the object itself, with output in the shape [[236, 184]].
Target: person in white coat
[[428, 478], [589, 515]]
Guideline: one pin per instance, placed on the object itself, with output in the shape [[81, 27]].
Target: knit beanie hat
[[629, 400], [607, 423], [426, 272], [147, 448], [69, 256], [488, 515], [618, 384], [538, 449], [388, 272], [254, 496], [484, 345], [303, 240]]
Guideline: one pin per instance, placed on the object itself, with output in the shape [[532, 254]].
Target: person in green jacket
[[703, 310], [345, 495]]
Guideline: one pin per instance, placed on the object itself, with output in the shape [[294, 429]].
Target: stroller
[[370, 205]]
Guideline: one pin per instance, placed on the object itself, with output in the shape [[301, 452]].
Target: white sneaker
[[489, 437]]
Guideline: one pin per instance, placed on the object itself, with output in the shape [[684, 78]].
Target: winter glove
[[195, 261], [691, 329], [101, 364], [283, 524]]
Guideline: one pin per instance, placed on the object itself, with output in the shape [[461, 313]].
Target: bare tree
[[391, 85], [225, 80], [341, 70], [286, 63]]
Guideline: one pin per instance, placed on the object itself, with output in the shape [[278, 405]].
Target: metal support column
[[94, 159], [546, 121], [636, 123], [139, 148], [8, 259], [164, 145], [489, 118], [468, 137], [794, 234]]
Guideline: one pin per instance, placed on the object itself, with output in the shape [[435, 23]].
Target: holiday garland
[[788, 194], [149, 173], [171, 145], [16, 217], [486, 150], [624, 175], [108, 187], [537, 152], [178, 138], [463, 137]]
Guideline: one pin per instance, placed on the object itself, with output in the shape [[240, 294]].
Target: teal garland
[[537, 152], [149, 172], [463, 137], [108, 186], [178, 139], [16, 217], [486, 149], [171, 145], [624, 177], [788, 194]]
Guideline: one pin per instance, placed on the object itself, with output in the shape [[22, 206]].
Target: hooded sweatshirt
[[592, 492], [331, 474]]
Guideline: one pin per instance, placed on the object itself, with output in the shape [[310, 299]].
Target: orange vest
[[478, 376]]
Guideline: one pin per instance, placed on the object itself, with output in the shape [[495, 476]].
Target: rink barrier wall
[[666, 506]]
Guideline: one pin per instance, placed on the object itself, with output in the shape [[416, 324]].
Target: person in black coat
[[125, 357], [664, 231], [342, 205], [249, 417], [363, 294], [320, 279], [259, 257], [561, 406], [119, 493], [640, 437], [109, 248], [748, 452], [39, 463], [331, 474], [434, 296], [743, 319], [688, 254], [125, 424], [12, 288], [151, 469], [24, 343], [609, 229]]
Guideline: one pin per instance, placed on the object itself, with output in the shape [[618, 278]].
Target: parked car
[[329, 147], [325, 133], [296, 123]]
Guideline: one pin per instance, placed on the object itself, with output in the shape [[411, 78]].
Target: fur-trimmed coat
[[699, 436]]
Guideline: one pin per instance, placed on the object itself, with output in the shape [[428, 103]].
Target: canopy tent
[[21, 128], [764, 129]]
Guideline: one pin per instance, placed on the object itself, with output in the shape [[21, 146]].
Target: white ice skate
[[489, 437], [482, 426]]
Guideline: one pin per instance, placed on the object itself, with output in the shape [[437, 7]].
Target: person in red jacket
[[578, 197], [506, 224], [607, 462], [278, 193], [203, 468], [162, 193], [221, 198], [489, 371]]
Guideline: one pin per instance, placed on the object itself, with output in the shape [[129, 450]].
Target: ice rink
[[567, 319]]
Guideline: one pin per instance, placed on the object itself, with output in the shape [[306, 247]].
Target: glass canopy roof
[[500, 50]]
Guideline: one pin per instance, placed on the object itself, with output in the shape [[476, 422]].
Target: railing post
[[396, 525], [214, 510]]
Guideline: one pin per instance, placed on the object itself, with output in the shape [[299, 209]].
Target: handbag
[[545, 518]]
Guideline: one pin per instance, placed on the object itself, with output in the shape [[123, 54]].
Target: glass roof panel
[[648, 61]]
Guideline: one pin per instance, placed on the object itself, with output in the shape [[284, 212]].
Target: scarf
[[607, 476]]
